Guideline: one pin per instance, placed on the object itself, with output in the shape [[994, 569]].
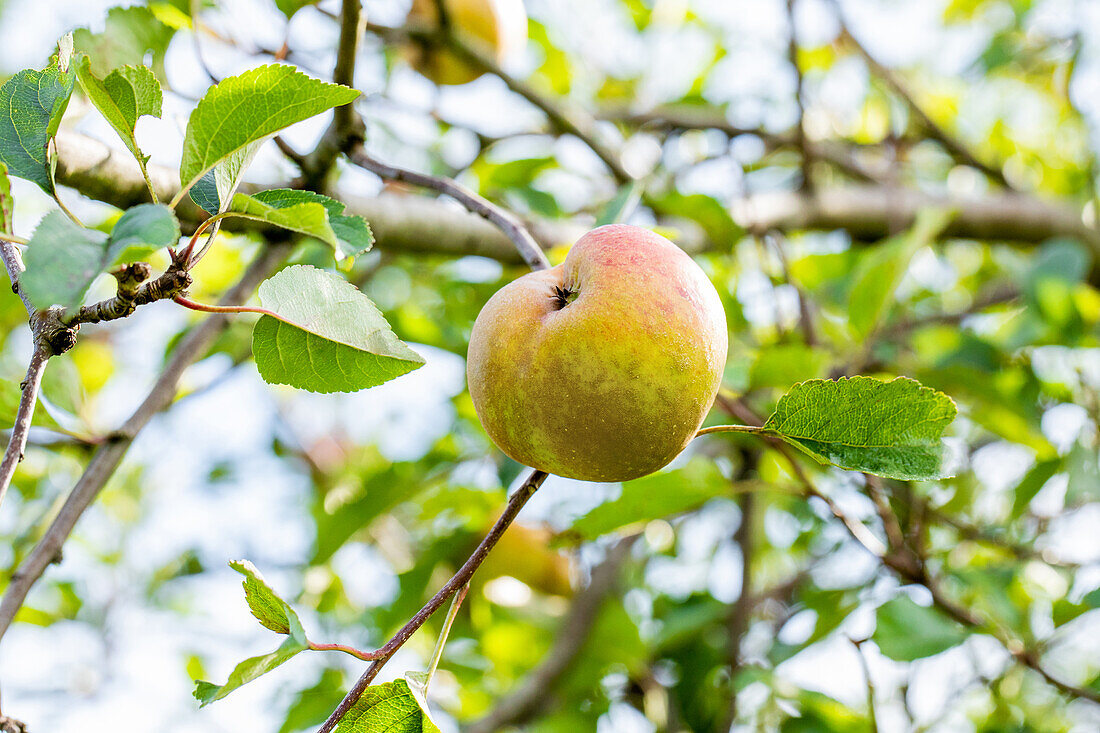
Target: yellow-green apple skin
[[495, 27], [602, 368]]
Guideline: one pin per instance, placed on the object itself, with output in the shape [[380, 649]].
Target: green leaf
[[881, 271], [251, 668], [31, 106], [129, 36], [125, 95], [311, 214], [63, 258], [290, 7], [141, 231], [892, 429], [390, 708], [266, 605], [328, 336], [653, 497], [214, 191], [247, 108], [7, 203], [905, 631]]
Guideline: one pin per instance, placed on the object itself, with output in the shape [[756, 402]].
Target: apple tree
[[704, 370]]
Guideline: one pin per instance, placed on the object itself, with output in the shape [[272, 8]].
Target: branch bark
[[521, 239], [531, 695], [22, 427], [515, 503], [107, 458]]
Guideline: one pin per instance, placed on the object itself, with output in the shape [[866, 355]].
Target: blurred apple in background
[[495, 27]]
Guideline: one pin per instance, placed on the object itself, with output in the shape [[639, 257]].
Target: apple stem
[[752, 429]]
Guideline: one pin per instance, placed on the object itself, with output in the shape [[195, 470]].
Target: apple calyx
[[563, 296]]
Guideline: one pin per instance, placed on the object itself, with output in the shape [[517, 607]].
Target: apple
[[497, 27], [603, 367]]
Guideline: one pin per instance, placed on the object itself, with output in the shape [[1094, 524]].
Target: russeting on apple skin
[[603, 367]]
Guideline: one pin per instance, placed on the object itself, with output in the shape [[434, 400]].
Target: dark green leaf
[[311, 214], [31, 106], [892, 429]]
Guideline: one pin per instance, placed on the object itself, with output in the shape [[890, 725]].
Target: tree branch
[[524, 243], [107, 458], [531, 695], [515, 503], [18, 441], [871, 212]]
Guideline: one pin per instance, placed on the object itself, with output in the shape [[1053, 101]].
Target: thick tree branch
[[515, 503], [110, 453], [871, 212], [532, 694]]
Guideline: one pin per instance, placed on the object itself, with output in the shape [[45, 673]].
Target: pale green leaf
[[140, 231], [328, 336], [882, 269], [905, 631], [892, 429], [297, 210], [247, 108], [31, 106], [653, 497], [390, 708], [130, 36], [63, 259], [125, 95], [253, 667], [266, 605]]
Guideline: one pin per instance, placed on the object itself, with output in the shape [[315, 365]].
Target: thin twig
[[22, 426], [528, 248], [107, 458], [515, 503], [872, 716]]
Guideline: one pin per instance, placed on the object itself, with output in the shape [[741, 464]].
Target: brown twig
[[22, 426], [528, 248], [515, 503], [133, 290]]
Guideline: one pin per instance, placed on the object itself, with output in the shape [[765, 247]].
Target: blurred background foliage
[[714, 592]]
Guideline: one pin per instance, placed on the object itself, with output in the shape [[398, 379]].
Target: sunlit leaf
[[329, 337], [892, 429]]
